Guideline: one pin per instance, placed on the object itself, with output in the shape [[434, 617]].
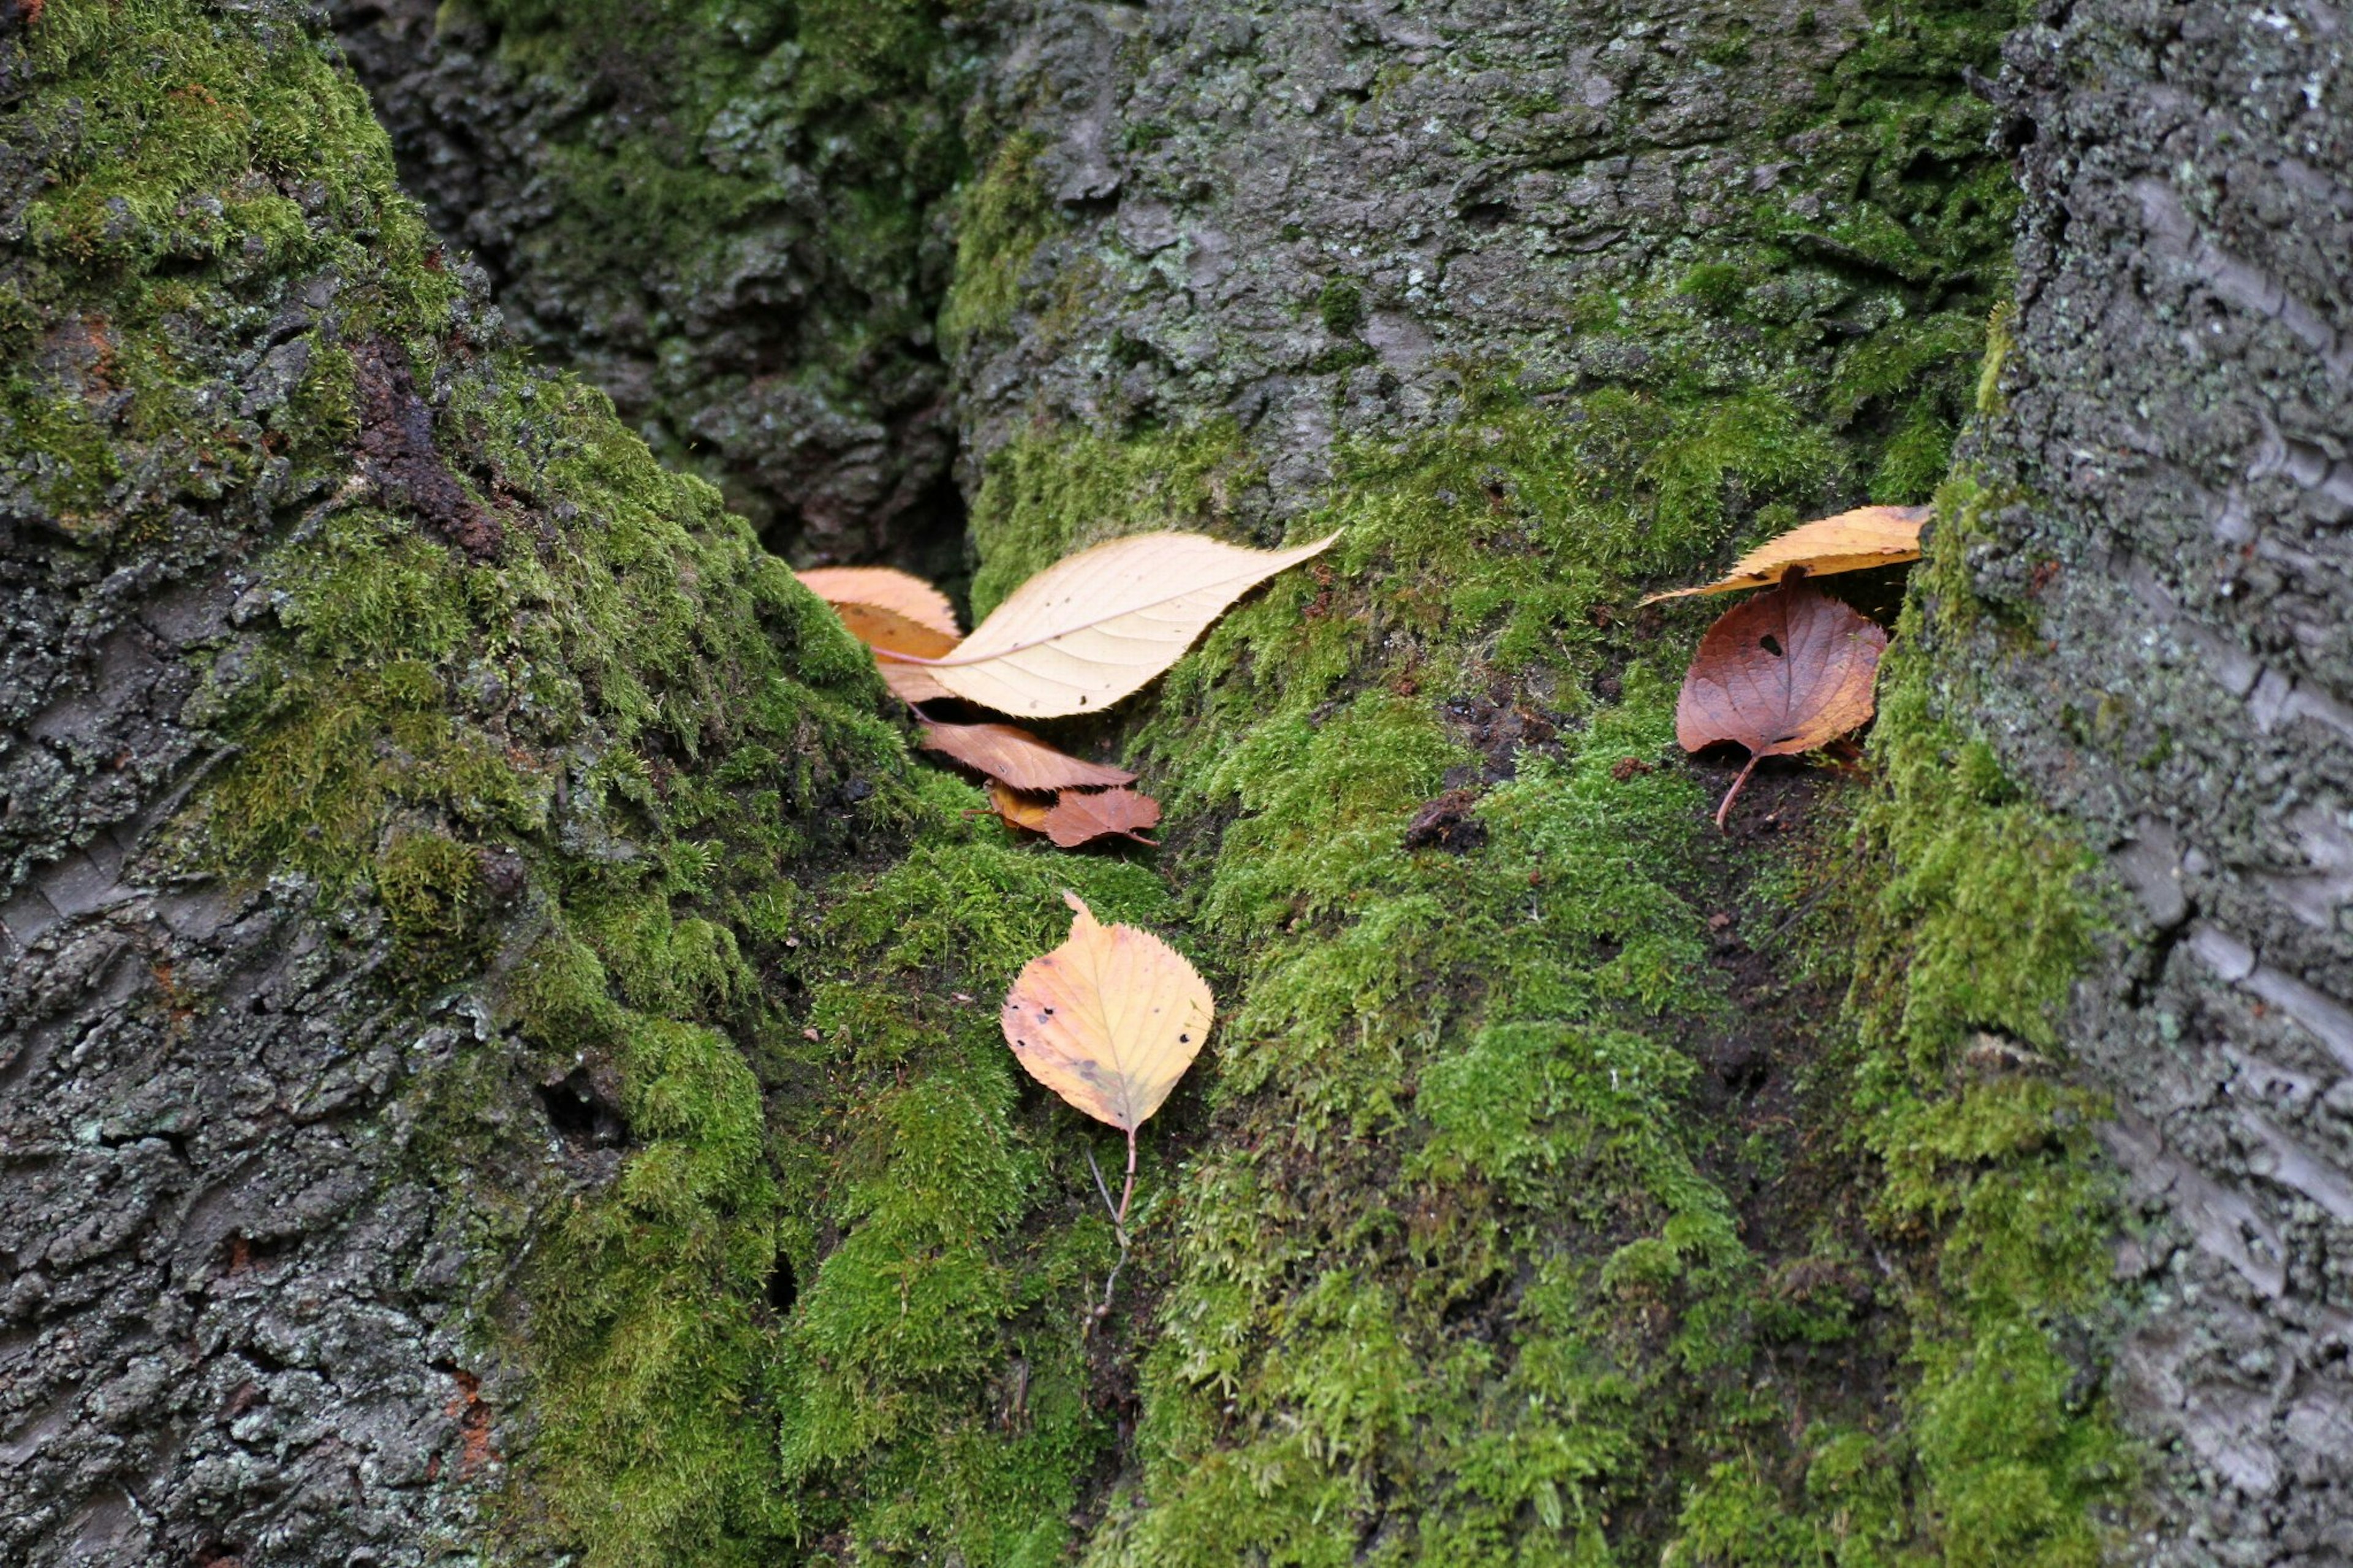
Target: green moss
[[1042, 498], [631, 712], [1001, 220], [1342, 308], [701, 141]]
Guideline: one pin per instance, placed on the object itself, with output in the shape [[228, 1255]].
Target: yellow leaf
[[905, 596], [1089, 630], [887, 608], [1110, 1020], [1867, 536]]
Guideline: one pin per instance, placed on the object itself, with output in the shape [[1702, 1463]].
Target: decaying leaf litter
[[1075, 638], [1112, 1018], [1791, 669]]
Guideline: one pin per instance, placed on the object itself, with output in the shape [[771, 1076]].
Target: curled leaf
[[1867, 536], [1089, 630], [1782, 673], [895, 594], [888, 610], [1017, 808], [1018, 757], [1081, 816], [1110, 1020]]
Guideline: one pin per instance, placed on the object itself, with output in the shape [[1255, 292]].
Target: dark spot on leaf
[[1770, 644]]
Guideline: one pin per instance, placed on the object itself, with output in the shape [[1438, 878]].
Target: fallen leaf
[[887, 608], [898, 593], [910, 683], [1081, 816], [1867, 536], [1110, 1020], [1787, 671], [1019, 809], [1017, 758], [1089, 630]]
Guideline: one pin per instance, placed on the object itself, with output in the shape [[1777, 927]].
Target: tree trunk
[[500, 1038]]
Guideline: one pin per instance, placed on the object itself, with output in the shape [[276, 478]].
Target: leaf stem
[[1118, 1212], [1753, 758]]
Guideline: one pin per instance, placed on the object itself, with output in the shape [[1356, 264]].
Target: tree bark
[[2177, 402], [490, 1030]]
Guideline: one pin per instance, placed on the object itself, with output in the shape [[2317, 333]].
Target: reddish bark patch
[[472, 1413], [397, 445]]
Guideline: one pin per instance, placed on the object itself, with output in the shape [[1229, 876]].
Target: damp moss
[[1044, 496], [1002, 217], [1982, 917]]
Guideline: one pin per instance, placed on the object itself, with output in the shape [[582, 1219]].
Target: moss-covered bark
[[732, 216], [1567, 1182], [409, 784]]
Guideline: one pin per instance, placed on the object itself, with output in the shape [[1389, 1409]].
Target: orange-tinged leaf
[[1110, 1020], [1081, 816], [1018, 757], [902, 595], [1867, 536], [887, 608], [1089, 630], [1019, 809], [910, 683], [1782, 673]]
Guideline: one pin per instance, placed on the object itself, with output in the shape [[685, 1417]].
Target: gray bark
[[2180, 415]]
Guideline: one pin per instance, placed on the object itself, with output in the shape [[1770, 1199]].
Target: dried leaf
[[1110, 1020], [1019, 809], [886, 608], [1081, 816], [1018, 757], [1787, 671], [1089, 630], [910, 683], [897, 594], [1867, 536]]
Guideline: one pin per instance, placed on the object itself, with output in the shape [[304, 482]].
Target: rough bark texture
[[499, 1045], [733, 223], [318, 670], [2155, 533]]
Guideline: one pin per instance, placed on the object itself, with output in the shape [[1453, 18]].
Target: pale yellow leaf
[[1089, 630], [910, 683], [1110, 1020], [1867, 536]]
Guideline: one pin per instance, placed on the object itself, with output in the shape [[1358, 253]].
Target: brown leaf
[[1089, 630], [1081, 816], [1019, 809], [1785, 672], [887, 608], [1110, 1020], [1867, 536], [1018, 757]]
